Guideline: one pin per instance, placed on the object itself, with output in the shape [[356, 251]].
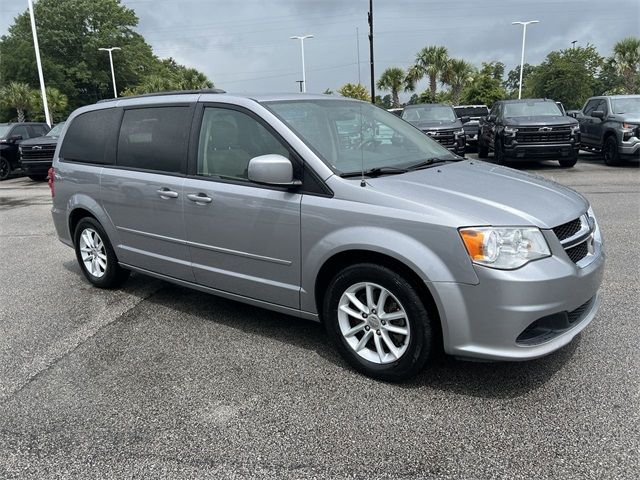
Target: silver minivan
[[332, 210]]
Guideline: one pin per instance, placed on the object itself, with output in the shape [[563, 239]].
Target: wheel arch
[[80, 206]]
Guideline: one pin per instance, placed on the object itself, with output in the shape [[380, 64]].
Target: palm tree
[[392, 79], [457, 74], [19, 96], [56, 100], [192, 79], [431, 61], [626, 58]]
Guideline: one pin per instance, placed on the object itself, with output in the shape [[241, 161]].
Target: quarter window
[[91, 137], [154, 138], [229, 139]]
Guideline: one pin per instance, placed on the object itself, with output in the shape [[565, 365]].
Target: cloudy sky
[[244, 45]]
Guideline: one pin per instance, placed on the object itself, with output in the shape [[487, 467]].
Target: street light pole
[[302, 38], [113, 75], [524, 35], [43, 90]]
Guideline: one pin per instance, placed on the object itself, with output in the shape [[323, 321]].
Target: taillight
[[51, 181]]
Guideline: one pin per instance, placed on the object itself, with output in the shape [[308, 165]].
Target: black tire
[[114, 274], [38, 178], [5, 169], [498, 152], [419, 345], [568, 162], [610, 152], [483, 150]]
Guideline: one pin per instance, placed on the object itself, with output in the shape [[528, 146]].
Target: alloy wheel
[[93, 252], [374, 323]]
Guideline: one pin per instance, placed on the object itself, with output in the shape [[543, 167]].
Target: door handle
[[200, 198], [164, 192]]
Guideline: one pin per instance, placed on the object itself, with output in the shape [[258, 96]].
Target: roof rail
[[171, 92]]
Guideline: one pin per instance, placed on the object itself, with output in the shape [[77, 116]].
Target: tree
[[569, 76], [485, 88], [457, 75], [18, 96], [392, 79], [70, 33], [431, 62], [512, 83], [353, 90], [626, 59], [56, 100]]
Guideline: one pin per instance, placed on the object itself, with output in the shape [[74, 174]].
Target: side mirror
[[597, 114], [15, 138], [272, 169], [465, 119], [490, 118]]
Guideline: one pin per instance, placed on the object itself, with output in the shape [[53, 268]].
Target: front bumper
[[36, 167], [528, 150], [488, 320], [630, 148]]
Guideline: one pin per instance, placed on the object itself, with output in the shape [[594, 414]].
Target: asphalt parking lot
[[157, 381]]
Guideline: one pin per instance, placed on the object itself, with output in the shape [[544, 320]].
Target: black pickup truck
[[440, 123], [611, 125], [36, 154], [527, 129], [471, 128], [11, 136]]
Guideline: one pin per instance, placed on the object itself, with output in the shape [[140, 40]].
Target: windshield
[[531, 109], [349, 135], [56, 130], [4, 129], [471, 111], [626, 105], [429, 113]]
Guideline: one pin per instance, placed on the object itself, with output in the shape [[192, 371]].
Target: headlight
[[510, 130], [459, 133], [575, 129], [505, 248]]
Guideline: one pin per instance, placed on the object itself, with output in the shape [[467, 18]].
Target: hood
[[475, 193], [540, 121], [40, 141], [628, 117], [448, 125]]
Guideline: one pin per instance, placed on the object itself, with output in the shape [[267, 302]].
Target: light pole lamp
[[524, 36], [113, 75], [302, 38]]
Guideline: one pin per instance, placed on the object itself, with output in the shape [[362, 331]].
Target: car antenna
[[363, 183]]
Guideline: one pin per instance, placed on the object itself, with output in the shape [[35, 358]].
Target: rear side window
[[91, 137], [155, 138]]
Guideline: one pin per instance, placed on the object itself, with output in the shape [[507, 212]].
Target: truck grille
[[541, 135], [37, 152], [445, 138]]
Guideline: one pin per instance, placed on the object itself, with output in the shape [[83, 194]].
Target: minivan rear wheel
[[378, 322], [95, 255]]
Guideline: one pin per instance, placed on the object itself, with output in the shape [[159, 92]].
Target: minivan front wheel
[[95, 255], [378, 322]]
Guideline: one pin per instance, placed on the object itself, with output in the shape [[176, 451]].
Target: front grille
[[549, 327], [535, 135], [38, 152], [470, 129], [567, 230], [578, 252], [444, 138]]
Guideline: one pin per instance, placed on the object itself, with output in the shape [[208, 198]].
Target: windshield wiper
[[374, 172], [431, 161]]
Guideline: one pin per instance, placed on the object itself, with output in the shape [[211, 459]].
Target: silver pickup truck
[[611, 125]]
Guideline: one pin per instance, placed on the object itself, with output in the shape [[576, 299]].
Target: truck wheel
[[483, 150], [610, 151], [5, 168], [378, 322], [569, 162], [95, 255]]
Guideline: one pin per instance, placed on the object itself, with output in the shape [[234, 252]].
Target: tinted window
[[471, 111], [229, 139], [602, 106], [39, 130], [154, 138], [531, 108], [91, 137], [429, 113], [590, 106], [22, 131]]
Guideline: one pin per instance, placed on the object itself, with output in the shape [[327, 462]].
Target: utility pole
[[113, 75], [43, 90], [358, 49], [524, 36], [373, 78]]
